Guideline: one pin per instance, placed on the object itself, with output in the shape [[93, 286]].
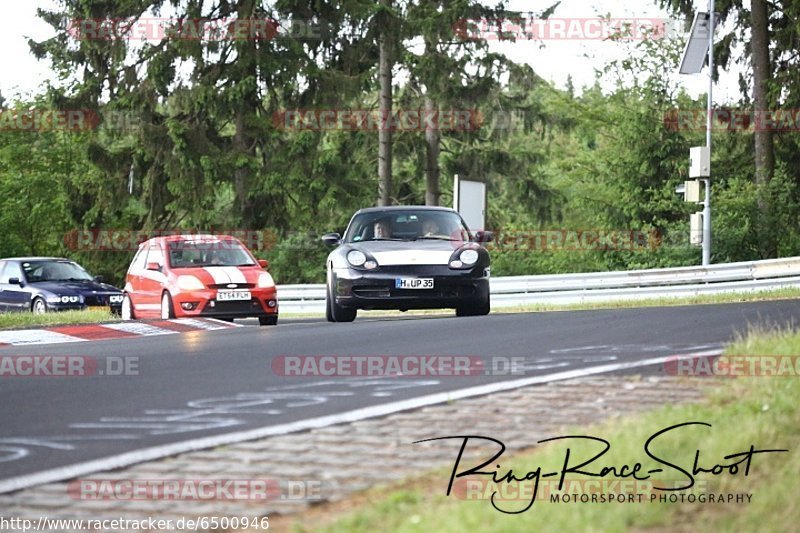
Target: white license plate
[[413, 283], [227, 296]]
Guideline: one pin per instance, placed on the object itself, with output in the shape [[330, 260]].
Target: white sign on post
[[469, 199]]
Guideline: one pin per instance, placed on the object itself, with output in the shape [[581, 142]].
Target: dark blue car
[[44, 284]]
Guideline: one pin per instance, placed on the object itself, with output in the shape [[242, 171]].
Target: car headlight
[[189, 283], [356, 258], [265, 281], [115, 299], [70, 299], [468, 257]]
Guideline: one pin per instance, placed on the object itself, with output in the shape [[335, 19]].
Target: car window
[[154, 255], [37, 271], [138, 263], [407, 226], [11, 270], [199, 253]]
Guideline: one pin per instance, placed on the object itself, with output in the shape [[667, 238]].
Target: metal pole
[[707, 202]]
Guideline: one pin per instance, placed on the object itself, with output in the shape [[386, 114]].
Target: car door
[[3, 305], [133, 280], [14, 296], [152, 281]]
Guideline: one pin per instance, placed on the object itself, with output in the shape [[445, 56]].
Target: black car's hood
[[419, 252], [74, 288]]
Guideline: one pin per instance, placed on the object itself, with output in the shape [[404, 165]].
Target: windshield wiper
[[433, 237], [385, 239]]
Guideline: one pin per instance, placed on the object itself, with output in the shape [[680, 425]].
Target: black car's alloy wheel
[[335, 312]]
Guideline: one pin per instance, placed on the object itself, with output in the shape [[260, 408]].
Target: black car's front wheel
[[335, 312], [39, 306], [474, 309]]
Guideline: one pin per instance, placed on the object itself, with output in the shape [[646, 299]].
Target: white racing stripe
[[35, 336], [151, 307], [235, 274], [219, 274]]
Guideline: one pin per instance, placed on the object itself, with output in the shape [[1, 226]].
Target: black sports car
[[407, 257], [43, 284]]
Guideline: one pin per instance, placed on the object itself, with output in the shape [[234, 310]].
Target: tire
[[475, 309], [268, 320], [126, 311], [167, 310], [39, 306], [337, 313], [328, 313]]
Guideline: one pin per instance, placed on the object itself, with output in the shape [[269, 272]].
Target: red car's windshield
[[188, 254]]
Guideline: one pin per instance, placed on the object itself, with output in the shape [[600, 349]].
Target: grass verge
[[28, 320], [759, 411]]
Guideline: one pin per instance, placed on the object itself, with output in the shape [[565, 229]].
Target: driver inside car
[[382, 230]]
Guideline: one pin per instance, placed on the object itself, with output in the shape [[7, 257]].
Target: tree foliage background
[[191, 125]]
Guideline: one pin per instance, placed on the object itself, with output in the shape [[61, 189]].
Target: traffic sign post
[[692, 63]]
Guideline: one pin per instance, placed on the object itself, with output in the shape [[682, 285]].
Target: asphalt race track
[[193, 385]]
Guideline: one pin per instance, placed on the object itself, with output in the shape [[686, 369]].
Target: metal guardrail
[[511, 291]]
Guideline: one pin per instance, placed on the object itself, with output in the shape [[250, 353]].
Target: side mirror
[[153, 266], [14, 281], [484, 236], [331, 239], [99, 279], [263, 263]]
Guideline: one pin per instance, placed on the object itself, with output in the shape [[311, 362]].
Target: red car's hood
[[221, 275]]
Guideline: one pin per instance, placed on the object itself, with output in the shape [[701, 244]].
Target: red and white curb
[[115, 330]]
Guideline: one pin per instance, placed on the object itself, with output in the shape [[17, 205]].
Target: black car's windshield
[[407, 225], [37, 271], [188, 254]]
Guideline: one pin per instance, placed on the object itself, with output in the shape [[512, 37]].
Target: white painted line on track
[[166, 450], [139, 328], [210, 324], [24, 337]]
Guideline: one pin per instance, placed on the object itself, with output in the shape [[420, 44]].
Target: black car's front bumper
[[358, 289]]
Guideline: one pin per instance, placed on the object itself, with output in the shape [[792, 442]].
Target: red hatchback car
[[198, 276]]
